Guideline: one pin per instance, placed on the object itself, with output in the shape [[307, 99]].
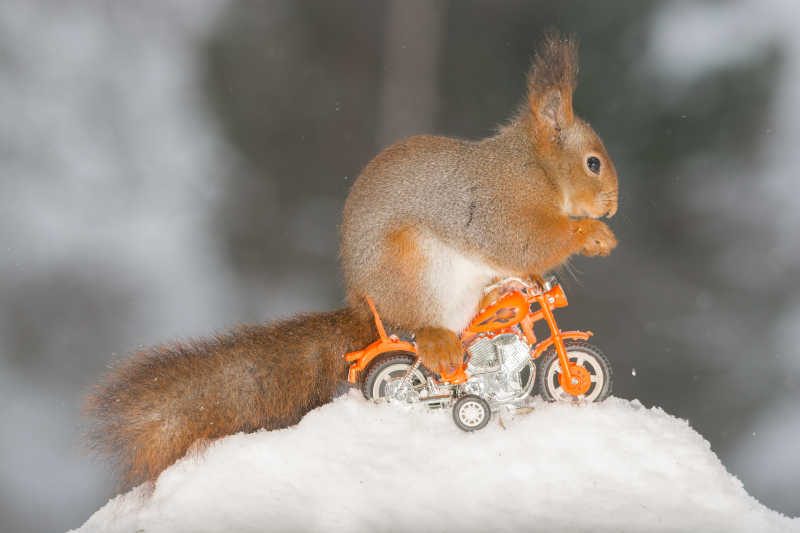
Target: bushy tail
[[157, 404]]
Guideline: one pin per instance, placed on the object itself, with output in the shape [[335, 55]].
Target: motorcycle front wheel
[[584, 355]]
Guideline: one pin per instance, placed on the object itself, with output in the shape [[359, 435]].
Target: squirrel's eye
[[594, 164]]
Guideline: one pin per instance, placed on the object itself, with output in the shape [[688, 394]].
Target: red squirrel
[[432, 220], [428, 223]]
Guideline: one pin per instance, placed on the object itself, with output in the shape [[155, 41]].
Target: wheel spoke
[[387, 381]]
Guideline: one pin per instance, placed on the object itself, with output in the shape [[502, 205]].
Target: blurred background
[[170, 169]]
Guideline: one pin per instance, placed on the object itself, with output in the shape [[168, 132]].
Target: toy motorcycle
[[504, 363]]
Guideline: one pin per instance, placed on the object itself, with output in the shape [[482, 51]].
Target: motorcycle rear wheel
[[388, 368]]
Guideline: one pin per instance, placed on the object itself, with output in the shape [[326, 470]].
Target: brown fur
[[439, 348], [403, 263], [515, 201], [161, 402]]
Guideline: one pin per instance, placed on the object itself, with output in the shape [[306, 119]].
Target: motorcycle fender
[[362, 358], [545, 344]]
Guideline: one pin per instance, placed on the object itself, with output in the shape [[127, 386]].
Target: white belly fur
[[456, 281]]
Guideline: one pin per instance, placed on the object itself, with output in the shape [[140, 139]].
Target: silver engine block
[[497, 368]]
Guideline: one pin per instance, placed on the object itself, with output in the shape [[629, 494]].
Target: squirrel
[[432, 220], [427, 224]]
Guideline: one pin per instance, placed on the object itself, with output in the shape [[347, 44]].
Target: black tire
[[471, 413], [393, 363], [594, 360]]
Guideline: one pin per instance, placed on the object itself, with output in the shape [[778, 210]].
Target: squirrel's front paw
[[439, 349], [596, 237]]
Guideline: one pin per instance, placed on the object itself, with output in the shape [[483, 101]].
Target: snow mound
[[355, 466]]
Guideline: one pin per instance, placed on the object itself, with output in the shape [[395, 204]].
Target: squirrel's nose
[[612, 211]]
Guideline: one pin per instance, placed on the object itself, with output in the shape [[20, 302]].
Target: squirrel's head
[[567, 147]]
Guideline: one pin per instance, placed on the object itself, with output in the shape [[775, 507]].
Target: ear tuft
[[554, 70], [555, 64]]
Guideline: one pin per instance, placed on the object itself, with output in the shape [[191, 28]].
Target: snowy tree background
[[169, 169]]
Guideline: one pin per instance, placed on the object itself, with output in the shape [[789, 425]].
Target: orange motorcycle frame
[[359, 360], [513, 308]]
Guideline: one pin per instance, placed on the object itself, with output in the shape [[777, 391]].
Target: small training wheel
[[471, 413]]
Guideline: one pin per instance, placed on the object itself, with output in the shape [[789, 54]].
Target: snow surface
[[356, 466]]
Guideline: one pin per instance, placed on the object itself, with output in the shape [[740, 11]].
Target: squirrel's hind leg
[[425, 285]]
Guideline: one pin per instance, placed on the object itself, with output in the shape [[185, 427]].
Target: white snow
[[355, 466]]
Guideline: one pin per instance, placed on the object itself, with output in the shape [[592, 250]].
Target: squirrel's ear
[[552, 80], [553, 109]]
